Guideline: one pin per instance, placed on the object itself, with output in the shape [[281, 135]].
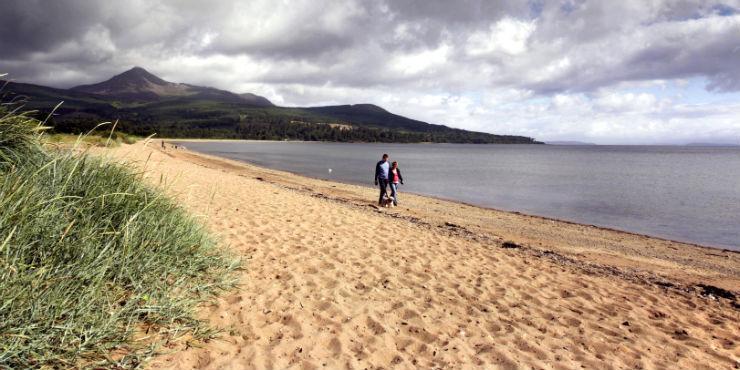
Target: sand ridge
[[334, 284]]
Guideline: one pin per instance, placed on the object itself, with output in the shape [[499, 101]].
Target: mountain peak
[[138, 84], [138, 73], [135, 84]]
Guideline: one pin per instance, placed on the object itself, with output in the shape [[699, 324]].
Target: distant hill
[[256, 100], [374, 115], [144, 104], [568, 142], [712, 144]]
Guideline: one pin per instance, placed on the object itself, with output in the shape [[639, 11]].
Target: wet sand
[[331, 281]]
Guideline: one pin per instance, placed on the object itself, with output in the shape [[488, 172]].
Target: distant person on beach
[[394, 177], [381, 177]]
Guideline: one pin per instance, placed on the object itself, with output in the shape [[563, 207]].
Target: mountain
[[138, 85], [135, 84], [144, 104]]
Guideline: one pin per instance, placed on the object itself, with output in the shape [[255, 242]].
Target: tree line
[[266, 127]]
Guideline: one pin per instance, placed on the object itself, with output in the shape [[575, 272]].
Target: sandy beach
[[331, 281]]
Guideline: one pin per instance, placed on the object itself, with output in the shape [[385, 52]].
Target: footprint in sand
[[374, 326], [335, 346]]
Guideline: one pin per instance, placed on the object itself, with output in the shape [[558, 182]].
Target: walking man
[[381, 177]]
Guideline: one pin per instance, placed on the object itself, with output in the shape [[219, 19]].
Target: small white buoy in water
[[330, 170]]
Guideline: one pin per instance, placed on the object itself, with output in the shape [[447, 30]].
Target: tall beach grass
[[96, 268], [101, 139]]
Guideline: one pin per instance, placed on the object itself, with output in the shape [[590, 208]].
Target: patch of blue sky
[[695, 91], [689, 91], [724, 10]]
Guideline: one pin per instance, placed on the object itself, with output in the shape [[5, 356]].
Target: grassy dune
[[91, 259], [92, 139]]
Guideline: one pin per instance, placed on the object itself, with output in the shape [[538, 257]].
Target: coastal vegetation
[[99, 139], [96, 268]]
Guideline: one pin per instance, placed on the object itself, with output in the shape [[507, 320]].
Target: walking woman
[[395, 176]]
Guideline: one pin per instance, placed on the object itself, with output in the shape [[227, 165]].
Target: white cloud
[[629, 102], [414, 63], [606, 71], [507, 36]]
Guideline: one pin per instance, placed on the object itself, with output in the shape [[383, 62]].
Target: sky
[[606, 72]]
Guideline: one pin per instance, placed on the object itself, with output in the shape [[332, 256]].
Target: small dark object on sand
[[715, 291], [510, 245], [259, 178], [680, 334]]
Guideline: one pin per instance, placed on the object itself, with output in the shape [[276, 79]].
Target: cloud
[[508, 36], [540, 62], [629, 102]]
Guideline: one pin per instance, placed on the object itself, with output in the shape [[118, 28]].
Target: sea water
[[689, 194]]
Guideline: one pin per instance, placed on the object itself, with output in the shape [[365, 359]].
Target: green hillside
[[144, 105]]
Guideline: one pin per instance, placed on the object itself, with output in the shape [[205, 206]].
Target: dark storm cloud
[[37, 26], [547, 47], [462, 12]]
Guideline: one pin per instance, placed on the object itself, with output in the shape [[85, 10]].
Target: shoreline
[[697, 256], [452, 200], [196, 140], [330, 280], [721, 146]]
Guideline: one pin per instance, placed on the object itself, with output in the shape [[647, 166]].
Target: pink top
[[395, 176]]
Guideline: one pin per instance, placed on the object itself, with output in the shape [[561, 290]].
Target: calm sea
[[682, 193]]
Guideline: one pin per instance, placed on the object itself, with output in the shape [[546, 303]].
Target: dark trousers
[[383, 183]]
